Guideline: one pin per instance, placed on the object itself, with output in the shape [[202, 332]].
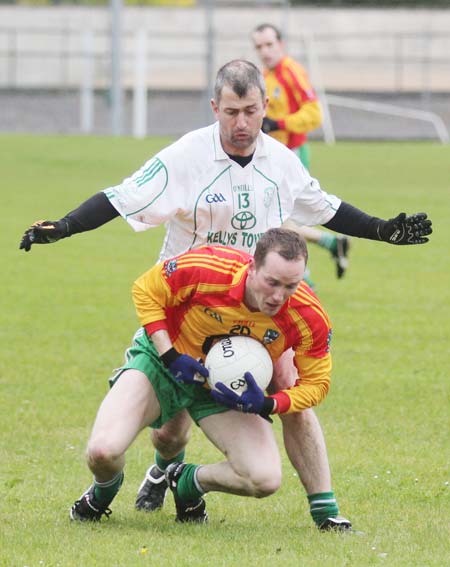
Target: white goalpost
[[365, 105]]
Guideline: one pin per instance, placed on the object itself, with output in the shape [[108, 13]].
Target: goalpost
[[393, 110], [368, 106]]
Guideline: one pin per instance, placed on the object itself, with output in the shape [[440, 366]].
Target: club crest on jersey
[[270, 335], [268, 196], [170, 267]]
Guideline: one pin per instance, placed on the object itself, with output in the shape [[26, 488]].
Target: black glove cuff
[[63, 226], [268, 405], [169, 356], [382, 231]]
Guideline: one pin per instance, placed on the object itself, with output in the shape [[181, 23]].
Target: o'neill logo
[[243, 220]]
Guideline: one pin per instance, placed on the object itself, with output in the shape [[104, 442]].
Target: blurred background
[[139, 68]]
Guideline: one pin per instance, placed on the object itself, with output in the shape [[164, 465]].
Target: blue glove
[[184, 367], [251, 401]]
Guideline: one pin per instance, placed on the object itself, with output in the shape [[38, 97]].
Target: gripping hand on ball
[[251, 401], [43, 232], [404, 229], [184, 367]]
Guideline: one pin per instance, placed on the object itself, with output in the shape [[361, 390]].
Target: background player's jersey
[[200, 295], [290, 91], [204, 197]]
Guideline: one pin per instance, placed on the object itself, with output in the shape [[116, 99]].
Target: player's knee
[[300, 421], [101, 453], [264, 481], [266, 487], [169, 442]]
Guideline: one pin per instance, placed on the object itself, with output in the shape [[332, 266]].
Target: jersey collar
[[237, 288]]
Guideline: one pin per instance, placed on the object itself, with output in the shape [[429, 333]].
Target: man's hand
[[43, 232], [251, 401], [269, 125], [184, 367], [404, 229]]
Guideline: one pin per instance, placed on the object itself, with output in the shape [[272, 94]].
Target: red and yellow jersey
[[200, 294], [292, 102]]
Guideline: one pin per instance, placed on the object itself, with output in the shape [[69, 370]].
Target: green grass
[[67, 317]]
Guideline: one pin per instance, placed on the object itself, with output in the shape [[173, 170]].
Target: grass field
[[67, 317]]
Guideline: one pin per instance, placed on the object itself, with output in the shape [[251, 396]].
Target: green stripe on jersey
[[149, 172]]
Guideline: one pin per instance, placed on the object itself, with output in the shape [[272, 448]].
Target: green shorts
[[173, 396]]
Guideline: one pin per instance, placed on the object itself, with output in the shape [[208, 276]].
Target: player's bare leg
[[306, 448], [173, 436], [310, 234], [338, 245], [253, 466], [129, 406], [169, 442]]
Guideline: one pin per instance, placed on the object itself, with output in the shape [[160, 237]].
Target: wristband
[[267, 407], [169, 356]]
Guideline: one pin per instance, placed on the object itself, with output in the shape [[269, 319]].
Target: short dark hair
[[289, 244], [263, 27], [241, 76]]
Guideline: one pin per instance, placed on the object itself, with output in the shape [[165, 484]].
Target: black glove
[[44, 232], [405, 229], [184, 367], [269, 125], [251, 401]]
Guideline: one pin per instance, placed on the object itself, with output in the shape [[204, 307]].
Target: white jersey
[[204, 197]]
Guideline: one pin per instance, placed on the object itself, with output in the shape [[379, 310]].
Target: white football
[[231, 357]]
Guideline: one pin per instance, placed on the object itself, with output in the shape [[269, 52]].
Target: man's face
[[270, 286], [270, 49], [240, 120]]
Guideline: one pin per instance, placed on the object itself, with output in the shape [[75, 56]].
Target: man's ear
[[214, 107], [251, 267]]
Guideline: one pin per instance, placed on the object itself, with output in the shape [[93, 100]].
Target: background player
[[292, 111]]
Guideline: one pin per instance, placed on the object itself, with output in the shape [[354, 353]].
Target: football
[[231, 357]]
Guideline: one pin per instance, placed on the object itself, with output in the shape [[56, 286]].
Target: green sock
[[104, 492], [322, 505], [188, 488], [328, 241], [162, 464]]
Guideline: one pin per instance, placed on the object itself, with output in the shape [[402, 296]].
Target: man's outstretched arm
[[92, 213], [403, 229]]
